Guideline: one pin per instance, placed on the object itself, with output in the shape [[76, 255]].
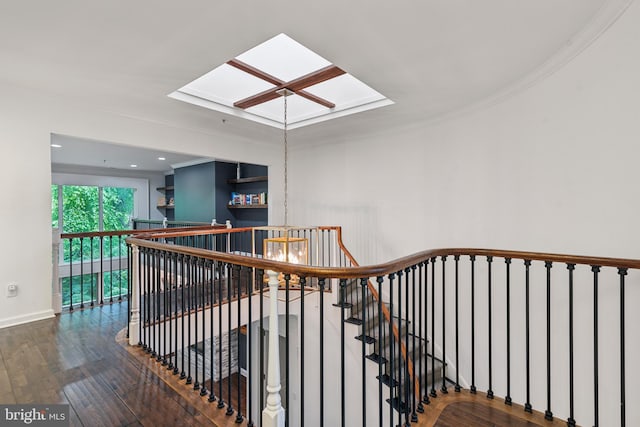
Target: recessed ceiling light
[[134, 166], [161, 158], [56, 145]]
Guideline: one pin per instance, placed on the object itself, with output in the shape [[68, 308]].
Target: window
[[79, 209], [91, 208]]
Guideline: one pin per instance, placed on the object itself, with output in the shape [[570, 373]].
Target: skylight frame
[[286, 60]]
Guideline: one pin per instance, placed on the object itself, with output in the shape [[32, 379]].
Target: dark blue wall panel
[[195, 192]]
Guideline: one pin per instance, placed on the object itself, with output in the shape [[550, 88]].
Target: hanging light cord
[[286, 155]]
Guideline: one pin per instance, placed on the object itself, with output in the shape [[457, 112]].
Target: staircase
[[380, 349]]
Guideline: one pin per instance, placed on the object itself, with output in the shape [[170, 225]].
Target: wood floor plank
[[96, 404], [6, 392], [468, 409], [75, 359]]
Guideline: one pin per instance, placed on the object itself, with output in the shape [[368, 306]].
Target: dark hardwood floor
[[74, 359]]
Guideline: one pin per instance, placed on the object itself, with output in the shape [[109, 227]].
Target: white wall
[[28, 119], [553, 168]]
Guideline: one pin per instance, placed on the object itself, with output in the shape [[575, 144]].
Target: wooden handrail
[[150, 231], [383, 269], [167, 233]]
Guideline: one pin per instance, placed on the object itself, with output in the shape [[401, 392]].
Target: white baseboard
[[26, 318]]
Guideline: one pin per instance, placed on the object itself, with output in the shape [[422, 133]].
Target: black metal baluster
[[489, 264], [239, 417], [349, 296], [425, 396], [622, 272], [596, 415], [230, 410], [71, 274], [527, 405], [110, 269], [120, 267], [548, 414], [82, 272], [140, 298], [404, 367], [303, 282], [381, 344], [143, 273], [443, 388], [391, 351], [164, 309], [457, 388], [252, 278], [190, 290], [129, 283], [409, 410], [507, 399], [151, 303], [401, 406], [472, 389], [260, 276], [91, 253], [174, 259], [204, 268], [156, 304], [183, 314], [197, 262], [212, 279], [343, 283], [101, 281], [321, 283], [414, 415], [571, 422], [148, 298], [433, 328], [159, 305], [421, 337], [287, 284], [363, 284], [169, 285], [221, 270]]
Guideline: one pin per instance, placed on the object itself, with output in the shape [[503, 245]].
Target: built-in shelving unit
[[248, 180], [256, 192], [168, 206], [247, 198], [248, 206]]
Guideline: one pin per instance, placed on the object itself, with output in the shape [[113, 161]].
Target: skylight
[[246, 86]]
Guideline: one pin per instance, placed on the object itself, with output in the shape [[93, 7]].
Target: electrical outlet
[[12, 290]]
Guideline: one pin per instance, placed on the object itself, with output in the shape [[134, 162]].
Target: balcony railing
[[93, 268], [375, 345]]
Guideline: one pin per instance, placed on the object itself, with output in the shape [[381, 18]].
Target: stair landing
[[467, 409]]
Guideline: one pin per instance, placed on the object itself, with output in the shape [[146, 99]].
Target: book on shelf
[[241, 199]]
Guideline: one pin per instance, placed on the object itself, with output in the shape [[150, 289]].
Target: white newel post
[[56, 286], [134, 323], [273, 413]]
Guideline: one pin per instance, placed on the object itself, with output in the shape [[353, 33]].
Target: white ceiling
[[87, 152], [432, 58]]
